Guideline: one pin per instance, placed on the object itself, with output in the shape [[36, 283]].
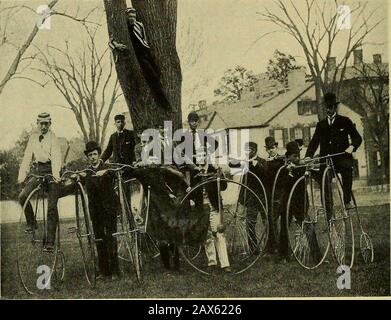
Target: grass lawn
[[266, 278]]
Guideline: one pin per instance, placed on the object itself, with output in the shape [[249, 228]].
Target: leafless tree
[[367, 90], [87, 82], [317, 29], [6, 14]]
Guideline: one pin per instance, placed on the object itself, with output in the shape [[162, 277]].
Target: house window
[[278, 136], [298, 133], [312, 131], [306, 107]]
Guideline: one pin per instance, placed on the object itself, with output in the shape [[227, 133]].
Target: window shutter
[[292, 134], [285, 136], [300, 108], [271, 133], [306, 135]]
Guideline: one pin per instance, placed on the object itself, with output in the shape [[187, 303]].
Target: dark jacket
[[272, 167], [122, 148], [335, 138], [100, 190]]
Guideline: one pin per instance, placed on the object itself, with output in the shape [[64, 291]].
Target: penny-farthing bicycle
[[340, 224], [128, 234], [30, 246], [244, 231], [305, 218]]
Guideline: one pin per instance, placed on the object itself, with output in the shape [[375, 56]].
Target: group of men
[[335, 134]]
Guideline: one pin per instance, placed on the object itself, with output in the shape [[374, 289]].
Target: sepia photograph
[[209, 149]]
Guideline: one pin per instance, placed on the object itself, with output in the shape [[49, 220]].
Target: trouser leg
[[99, 233], [346, 172], [28, 212], [52, 216], [112, 247], [218, 241], [164, 254]]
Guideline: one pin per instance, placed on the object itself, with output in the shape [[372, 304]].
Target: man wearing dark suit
[[274, 162], [121, 144], [332, 136]]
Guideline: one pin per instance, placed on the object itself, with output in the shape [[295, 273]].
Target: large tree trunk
[[159, 19]]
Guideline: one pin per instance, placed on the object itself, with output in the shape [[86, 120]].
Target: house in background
[[357, 75], [286, 114]]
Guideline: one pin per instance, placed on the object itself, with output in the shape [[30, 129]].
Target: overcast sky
[[225, 31]]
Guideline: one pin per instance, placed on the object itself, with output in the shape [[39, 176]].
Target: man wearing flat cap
[[44, 150], [142, 50], [121, 143], [336, 134]]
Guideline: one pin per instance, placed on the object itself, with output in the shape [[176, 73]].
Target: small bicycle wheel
[[238, 226], [35, 266], [305, 223], [85, 235], [339, 221], [129, 247], [366, 246]]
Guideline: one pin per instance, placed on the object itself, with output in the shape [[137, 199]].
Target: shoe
[[48, 248], [212, 268], [227, 269], [349, 206]]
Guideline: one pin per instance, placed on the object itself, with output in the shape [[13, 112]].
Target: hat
[[119, 117], [44, 117], [193, 116], [300, 142], [251, 145], [270, 142], [292, 148], [130, 9], [330, 98], [91, 146]]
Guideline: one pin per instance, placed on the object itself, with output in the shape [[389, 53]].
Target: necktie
[[40, 138], [194, 137]]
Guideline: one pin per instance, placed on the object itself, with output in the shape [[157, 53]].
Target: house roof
[[252, 113]]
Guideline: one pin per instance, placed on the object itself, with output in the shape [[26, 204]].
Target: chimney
[[202, 104], [377, 58], [357, 55], [296, 78], [332, 63]]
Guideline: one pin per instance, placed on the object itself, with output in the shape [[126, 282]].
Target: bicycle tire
[[239, 263], [340, 224], [85, 235], [307, 237], [30, 248]]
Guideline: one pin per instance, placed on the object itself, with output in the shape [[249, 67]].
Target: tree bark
[[159, 19]]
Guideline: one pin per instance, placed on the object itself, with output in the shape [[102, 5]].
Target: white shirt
[[46, 150], [197, 142], [331, 119]]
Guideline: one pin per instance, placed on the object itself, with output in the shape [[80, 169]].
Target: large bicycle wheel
[[275, 218], [239, 238], [36, 267], [340, 225], [140, 200], [129, 250], [85, 234], [306, 223]]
